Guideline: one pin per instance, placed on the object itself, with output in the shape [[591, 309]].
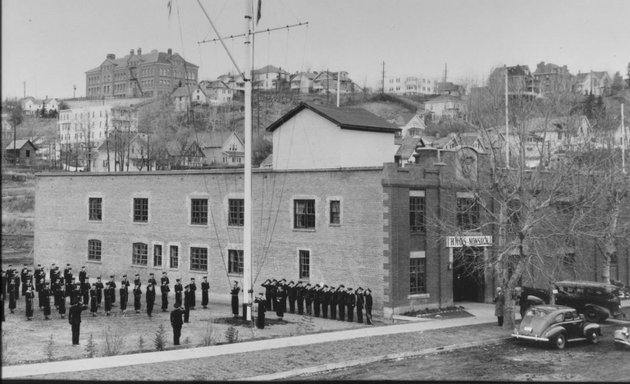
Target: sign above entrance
[[468, 241]]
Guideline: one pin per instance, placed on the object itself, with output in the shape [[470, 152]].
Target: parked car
[[556, 325], [597, 301], [622, 338]]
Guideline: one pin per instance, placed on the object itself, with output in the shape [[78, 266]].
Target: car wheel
[[560, 341], [591, 315], [593, 337]]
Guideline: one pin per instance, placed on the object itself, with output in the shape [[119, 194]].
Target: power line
[[254, 33]]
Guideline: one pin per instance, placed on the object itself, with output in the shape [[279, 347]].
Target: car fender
[[553, 331], [592, 326], [602, 310]]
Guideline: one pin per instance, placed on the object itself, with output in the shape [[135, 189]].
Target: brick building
[[137, 75]]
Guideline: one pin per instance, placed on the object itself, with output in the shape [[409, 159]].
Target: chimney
[[111, 56], [170, 52], [139, 51], [131, 52]]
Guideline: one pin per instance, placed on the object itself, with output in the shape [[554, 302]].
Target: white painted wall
[[309, 141]]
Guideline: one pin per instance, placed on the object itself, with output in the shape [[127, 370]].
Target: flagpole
[[623, 143], [247, 225], [507, 123]]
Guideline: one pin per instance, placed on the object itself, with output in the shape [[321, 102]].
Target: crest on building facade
[[467, 164]]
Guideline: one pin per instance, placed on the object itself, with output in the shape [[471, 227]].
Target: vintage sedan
[[622, 338], [556, 325]]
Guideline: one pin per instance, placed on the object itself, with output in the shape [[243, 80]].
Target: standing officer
[[150, 298], [99, 290], [274, 289], [267, 285], [61, 303], [164, 290], [234, 293], [83, 275], [69, 279], [24, 276], [317, 299], [281, 296], [308, 298], [45, 295], [137, 296], [39, 275], [332, 302], [124, 293], [152, 279], [351, 302], [299, 294], [85, 288], [368, 306], [261, 308], [176, 323], [74, 318], [39, 287], [136, 280], [29, 298], [93, 300], [108, 299], [292, 295], [187, 301], [205, 287], [178, 293], [13, 294], [360, 299], [111, 285], [324, 298], [193, 293], [341, 302]]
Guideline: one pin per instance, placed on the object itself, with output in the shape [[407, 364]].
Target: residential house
[[327, 82], [234, 82], [410, 85], [212, 145], [451, 107], [212, 93], [446, 88], [20, 152], [270, 78], [415, 125], [521, 82], [330, 137], [31, 105], [181, 98], [233, 150], [124, 153], [552, 78], [596, 83], [302, 82]]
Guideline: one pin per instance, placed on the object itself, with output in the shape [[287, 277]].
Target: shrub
[[159, 341], [49, 349], [231, 334], [140, 343], [90, 348], [114, 342]]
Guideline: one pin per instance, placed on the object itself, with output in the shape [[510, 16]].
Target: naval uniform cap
[[124, 275]]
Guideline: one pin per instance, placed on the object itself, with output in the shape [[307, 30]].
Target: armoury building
[[334, 209]]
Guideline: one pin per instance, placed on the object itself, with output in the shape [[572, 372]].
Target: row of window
[[304, 211], [198, 257]]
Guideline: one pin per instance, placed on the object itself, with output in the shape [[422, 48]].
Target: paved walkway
[[482, 313]]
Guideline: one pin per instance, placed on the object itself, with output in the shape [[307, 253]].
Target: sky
[[47, 46]]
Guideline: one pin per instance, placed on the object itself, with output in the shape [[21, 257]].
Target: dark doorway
[[468, 276]]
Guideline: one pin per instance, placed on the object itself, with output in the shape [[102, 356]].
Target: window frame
[[419, 213], [238, 263], [92, 250], [138, 217], [304, 268], [137, 259], [92, 209], [417, 273], [334, 218], [200, 262], [468, 217], [161, 256], [236, 212], [170, 256], [199, 217], [304, 218]]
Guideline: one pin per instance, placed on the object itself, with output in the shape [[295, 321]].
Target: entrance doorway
[[468, 275]]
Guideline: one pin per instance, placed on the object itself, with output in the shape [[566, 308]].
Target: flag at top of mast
[[169, 6], [258, 14]]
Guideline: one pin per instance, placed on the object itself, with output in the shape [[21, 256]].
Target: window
[[139, 256], [335, 212], [417, 273], [198, 259], [140, 210], [174, 256], [305, 263], [304, 214], [417, 211], [157, 255], [236, 212], [235, 261], [94, 250], [467, 213], [95, 208], [28, 153], [199, 211]]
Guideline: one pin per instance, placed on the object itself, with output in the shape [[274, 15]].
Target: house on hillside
[[31, 105], [416, 125], [233, 150], [596, 83], [450, 107], [552, 78], [181, 98], [21, 152], [212, 93], [270, 78], [327, 82], [302, 82], [330, 137], [211, 145]]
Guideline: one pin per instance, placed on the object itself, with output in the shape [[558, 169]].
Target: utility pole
[[507, 123], [383, 77], [24, 84], [623, 143]]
